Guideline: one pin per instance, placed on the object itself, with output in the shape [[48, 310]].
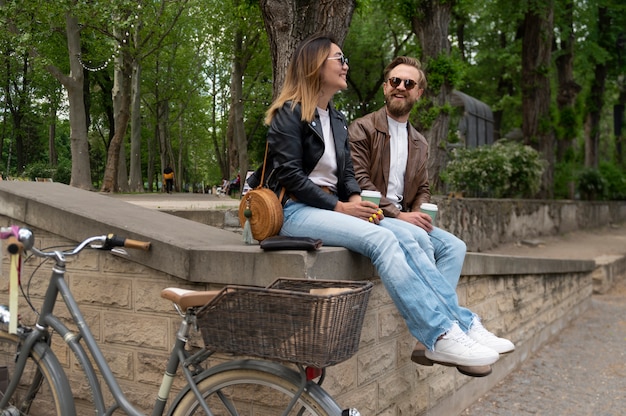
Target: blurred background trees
[[104, 95]]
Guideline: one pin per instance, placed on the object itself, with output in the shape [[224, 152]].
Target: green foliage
[[615, 181], [62, 173], [591, 185], [444, 70], [565, 179], [504, 170]]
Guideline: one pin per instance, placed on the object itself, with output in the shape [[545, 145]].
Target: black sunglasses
[[409, 84]]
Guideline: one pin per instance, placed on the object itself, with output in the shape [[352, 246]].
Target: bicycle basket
[[310, 322]]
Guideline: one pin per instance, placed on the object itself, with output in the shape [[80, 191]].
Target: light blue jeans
[[444, 250], [424, 298]]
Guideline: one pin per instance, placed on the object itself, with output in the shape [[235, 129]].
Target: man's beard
[[399, 108]]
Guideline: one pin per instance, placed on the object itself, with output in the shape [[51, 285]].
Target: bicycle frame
[[40, 333]]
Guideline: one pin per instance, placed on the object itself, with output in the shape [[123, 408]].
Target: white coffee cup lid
[[367, 192], [429, 207]]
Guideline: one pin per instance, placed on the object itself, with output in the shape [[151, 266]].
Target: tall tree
[[73, 83], [595, 99], [536, 62], [568, 88], [245, 43], [430, 22]]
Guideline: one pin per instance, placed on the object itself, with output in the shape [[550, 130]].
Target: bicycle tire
[[44, 389], [254, 388]]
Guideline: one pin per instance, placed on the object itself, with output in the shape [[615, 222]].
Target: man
[[390, 155]]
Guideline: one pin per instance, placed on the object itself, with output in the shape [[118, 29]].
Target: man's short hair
[[407, 60]]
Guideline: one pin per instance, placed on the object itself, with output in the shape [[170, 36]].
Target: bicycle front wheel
[[250, 388], [43, 389]]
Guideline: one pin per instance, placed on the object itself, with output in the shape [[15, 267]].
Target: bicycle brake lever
[[119, 250]]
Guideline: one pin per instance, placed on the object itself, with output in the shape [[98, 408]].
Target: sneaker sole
[[419, 357], [454, 360]]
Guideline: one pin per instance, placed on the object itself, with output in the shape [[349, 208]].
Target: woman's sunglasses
[[342, 59], [409, 84]]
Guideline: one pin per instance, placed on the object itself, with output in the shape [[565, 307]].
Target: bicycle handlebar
[[20, 239]]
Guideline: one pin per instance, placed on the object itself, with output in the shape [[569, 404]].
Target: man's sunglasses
[[409, 84], [342, 59]]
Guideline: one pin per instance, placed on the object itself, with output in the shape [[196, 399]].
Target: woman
[[309, 156]]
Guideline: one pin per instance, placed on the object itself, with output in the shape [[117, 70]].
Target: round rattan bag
[[263, 212]]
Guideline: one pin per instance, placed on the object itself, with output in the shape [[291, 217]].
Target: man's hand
[[420, 219]]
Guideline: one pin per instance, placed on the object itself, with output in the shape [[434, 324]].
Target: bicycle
[[33, 382]]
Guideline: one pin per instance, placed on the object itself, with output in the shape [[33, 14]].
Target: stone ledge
[[201, 253]]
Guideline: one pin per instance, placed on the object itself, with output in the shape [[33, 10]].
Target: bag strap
[[267, 145], [283, 190]]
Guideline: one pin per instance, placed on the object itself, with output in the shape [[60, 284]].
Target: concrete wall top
[[200, 253]]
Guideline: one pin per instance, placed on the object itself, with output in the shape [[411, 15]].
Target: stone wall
[[135, 328], [527, 300], [486, 223]]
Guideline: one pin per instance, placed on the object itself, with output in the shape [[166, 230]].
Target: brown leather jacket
[[369, 146]]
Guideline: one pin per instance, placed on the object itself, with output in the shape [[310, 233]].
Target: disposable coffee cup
[[372, 196], [430, 209]]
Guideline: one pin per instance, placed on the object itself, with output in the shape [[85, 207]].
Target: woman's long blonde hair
[[303, 79]]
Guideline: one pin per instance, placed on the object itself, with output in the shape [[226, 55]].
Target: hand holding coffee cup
[[373, 196], [430, 209]]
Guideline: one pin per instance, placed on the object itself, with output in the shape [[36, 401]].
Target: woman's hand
[[365, 210]]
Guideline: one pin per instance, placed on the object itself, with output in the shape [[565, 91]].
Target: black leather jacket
[[295, 147]]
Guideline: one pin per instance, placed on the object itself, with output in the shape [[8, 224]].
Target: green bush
[[591, 185], [38, 170], [62, 173], [616, 181], [505, 169]]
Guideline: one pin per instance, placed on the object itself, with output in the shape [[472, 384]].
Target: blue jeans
[[444, 250], [424, 298]]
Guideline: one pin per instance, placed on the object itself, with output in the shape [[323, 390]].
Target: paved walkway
[[178, 200], [582, 372]]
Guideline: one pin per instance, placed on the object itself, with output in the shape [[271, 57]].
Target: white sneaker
[[455, 347], [478, 333]]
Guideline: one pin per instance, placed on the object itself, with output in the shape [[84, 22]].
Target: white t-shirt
[[398, 155], [325, 172]]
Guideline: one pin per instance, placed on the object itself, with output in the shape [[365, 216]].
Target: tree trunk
[[219, 142], [165, 144], [136, 181], [81, 170], [430, 23], [568, 89], [121, 105], [596, 95], [53, 157], [536, 57], [236, 132], [289, 22]]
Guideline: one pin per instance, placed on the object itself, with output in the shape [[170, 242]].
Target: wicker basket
[[311, 322]]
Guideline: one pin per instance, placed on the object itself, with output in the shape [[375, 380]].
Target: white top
[[398, 156], [325, 172]]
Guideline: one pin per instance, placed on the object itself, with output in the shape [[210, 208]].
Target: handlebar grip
[[136, 244], [14, 246], [117, 241]]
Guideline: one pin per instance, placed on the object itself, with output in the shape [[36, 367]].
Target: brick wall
[[135, 328]]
